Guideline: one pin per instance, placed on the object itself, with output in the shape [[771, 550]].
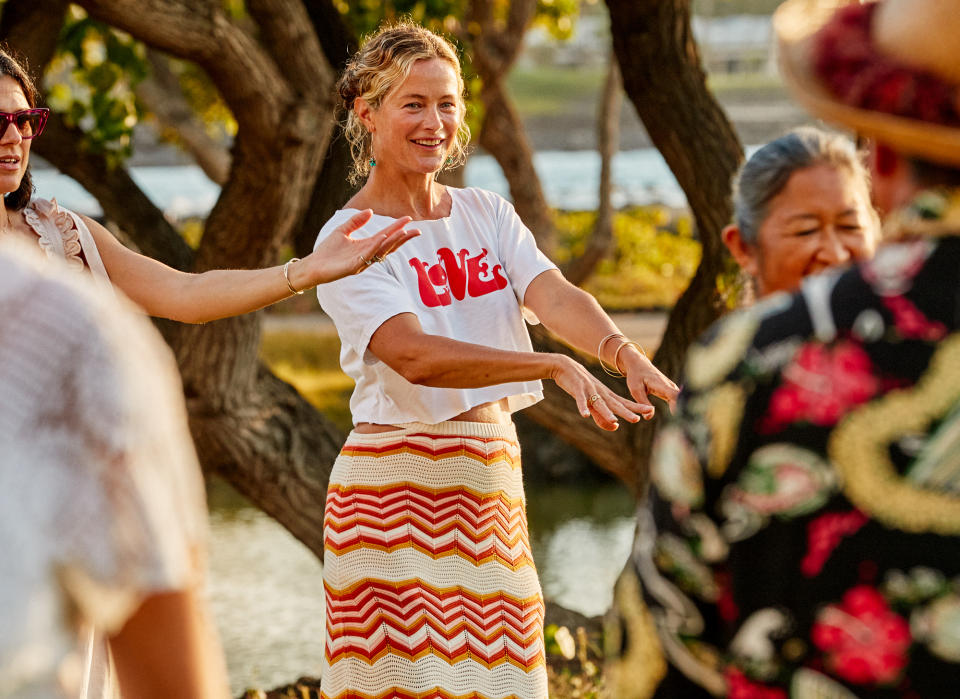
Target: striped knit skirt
[[431, 590]]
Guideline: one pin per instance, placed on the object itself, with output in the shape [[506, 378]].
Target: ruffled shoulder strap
[[62, 233]]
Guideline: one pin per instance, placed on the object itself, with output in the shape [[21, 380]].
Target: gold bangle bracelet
[[616, 354], [603, 366], [286, 275]]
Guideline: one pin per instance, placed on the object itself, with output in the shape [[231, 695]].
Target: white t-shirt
[[464, 278]]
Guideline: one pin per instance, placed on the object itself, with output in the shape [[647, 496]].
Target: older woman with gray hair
[[801, 205]]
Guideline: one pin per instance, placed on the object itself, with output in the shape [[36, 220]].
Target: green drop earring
[[373, 162]]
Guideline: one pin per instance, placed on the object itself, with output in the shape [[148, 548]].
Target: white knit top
[[102, 499]]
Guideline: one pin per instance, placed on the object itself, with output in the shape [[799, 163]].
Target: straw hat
[[918, 38]]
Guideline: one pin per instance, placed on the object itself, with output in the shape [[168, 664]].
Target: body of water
[[570, 180], [266, 589]]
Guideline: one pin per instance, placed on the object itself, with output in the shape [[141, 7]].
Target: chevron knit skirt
[[431, 591]]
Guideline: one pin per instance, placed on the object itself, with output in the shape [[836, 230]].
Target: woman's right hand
[[339, 255], [593, 398]]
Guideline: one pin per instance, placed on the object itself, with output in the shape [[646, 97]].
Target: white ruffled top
[[62, 234]]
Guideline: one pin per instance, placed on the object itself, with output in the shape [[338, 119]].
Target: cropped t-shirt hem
[[516, 402]]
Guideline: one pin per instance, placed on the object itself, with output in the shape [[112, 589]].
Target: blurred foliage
[[191, 230], [91, 81], [654, 258], [201, 94], [364, 16], [93, 77]]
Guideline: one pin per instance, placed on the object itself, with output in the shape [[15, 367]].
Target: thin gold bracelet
[[607, 370], [616, 354], [286, 275]]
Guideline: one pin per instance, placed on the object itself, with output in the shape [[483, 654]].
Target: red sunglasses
[[29, 122]]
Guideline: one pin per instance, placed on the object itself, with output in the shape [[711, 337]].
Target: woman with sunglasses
[[160, 290]]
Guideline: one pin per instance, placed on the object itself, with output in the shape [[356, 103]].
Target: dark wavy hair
[[17, 70]]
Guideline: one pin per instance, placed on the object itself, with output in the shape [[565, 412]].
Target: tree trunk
[[502, 135], [664, 79], [249, 426], [496, 45], [332, 188], [600, 241]]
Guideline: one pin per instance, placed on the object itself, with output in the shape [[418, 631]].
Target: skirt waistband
[[449, 428]]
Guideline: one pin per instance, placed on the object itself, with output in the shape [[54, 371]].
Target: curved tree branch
[[33, 30], [287, 33], [251, 83], [161, 93], [248, 425]]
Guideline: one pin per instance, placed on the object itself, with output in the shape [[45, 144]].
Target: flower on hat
[[847, 61]]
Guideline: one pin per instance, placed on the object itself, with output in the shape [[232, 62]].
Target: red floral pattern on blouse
[[824, 534], [739, 687], [863, 641], [911, 323], [821, 385]]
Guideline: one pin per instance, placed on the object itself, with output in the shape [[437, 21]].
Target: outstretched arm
[[575, 317], [432, 360], [197, 298]]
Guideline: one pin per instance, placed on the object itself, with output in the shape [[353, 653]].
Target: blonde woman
[[430, 583]]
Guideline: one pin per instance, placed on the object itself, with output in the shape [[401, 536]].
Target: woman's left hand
[[340, 255], [644, 379]]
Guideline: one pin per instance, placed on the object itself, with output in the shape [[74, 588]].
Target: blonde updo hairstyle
[[383, 62]]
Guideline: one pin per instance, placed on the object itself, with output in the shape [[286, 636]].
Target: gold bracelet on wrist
[[616, 354], [608, 371], [286, 275]]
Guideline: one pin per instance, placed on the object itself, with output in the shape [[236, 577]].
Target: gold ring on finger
[[365, 261], [377, 258], [594, 398]]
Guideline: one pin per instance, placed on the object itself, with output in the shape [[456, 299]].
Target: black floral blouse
[[803, 532]]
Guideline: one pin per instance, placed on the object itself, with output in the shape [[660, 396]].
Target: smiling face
[[821, 218], [416, 123], [14, 149]]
